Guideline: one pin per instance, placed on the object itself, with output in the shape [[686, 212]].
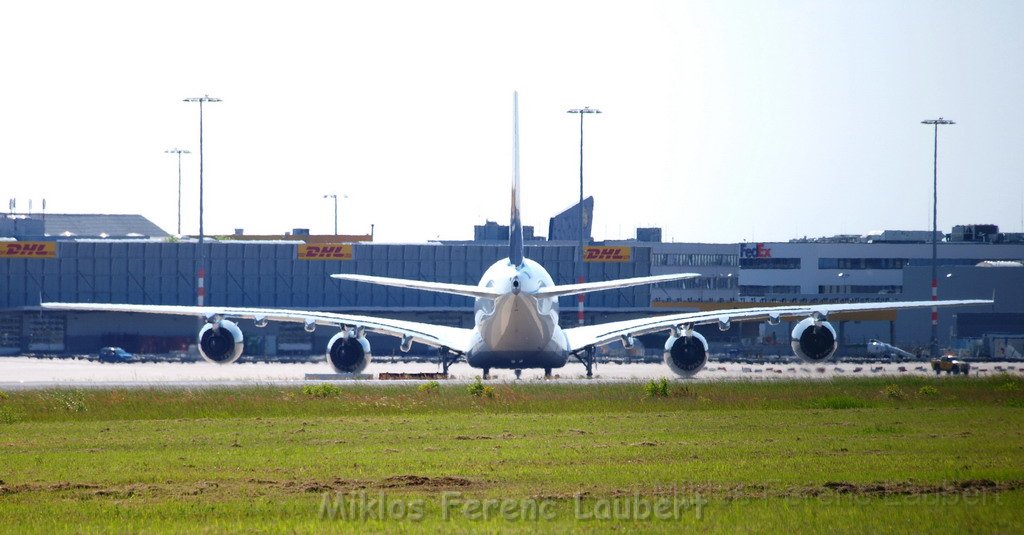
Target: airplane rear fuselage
[[517, 330]]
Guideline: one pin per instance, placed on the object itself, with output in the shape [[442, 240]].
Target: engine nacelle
[[814, 343], [686, 355], [347, 353], [220, 342]]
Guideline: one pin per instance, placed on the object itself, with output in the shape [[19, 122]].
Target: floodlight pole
[[201, 267], [934, 345], [179, 152], [335, 197], [580, 256]]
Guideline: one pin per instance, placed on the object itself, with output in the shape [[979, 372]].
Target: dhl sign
[[607, 254], [325, 251], [28, 249]]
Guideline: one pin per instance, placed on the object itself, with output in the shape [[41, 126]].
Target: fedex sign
[[754, 250]]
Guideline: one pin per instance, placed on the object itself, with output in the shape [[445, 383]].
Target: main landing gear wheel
[[447, 359], [547, 373], [519, 373], [587, 358], [487, 373]]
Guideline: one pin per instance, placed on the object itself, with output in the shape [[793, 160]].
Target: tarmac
[[33, 373]]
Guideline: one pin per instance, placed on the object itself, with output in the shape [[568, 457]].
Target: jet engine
[[348, 351], [814, 340], [686, 353], [220, 342]]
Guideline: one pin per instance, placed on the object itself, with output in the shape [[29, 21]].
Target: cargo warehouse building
[[126, 259]]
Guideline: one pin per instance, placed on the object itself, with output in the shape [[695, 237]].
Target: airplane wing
[[456, 339], [596, 335], [586, 287], [442, 287]]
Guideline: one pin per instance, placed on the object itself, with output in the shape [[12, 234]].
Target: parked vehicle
[[115, 354], [950, 365]]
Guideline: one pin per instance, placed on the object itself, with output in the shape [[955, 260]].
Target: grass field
[[858, 455]]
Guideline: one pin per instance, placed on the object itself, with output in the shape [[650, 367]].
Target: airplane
[[515, 318]]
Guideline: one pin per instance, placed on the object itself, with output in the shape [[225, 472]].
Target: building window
[[754, 290], [861, 263], [770, 263], [954, 261], [694, 259], [700, 283], [860, 289]]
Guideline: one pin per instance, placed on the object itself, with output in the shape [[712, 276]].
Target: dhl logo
[[325, 252], [29, 249], [608, 254]]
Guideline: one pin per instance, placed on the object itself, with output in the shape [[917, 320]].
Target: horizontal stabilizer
[[441, 287], [586, 287]]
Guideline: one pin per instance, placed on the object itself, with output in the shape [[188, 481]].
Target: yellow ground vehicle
[[950, 365]]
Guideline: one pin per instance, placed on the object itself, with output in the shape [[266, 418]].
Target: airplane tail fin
[[515, 227]]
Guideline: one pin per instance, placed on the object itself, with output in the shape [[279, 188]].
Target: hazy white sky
[[723, 121]]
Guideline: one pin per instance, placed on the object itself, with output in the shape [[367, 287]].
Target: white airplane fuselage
[[517, 330]]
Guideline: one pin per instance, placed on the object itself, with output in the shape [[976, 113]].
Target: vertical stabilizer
[[515, 227]]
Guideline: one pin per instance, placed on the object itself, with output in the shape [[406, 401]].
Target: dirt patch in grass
[[99, 491], [47, 487], [753, 491], [202, 487], [295, 485], [408, 481], [506, 435], [347, 485], [124, 492], [335, 485], [971, 486], [261, 486], [562, 496]]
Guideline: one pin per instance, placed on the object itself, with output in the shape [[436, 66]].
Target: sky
[[723, 121]]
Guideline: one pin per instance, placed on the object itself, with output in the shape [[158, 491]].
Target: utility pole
[[335, 197], [934, 345], [179, 152], [201, 262], [580, 256]]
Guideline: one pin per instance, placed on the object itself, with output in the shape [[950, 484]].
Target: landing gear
[[487, 373], [519, 373], [587, 358], [547, 373], [447, 359]]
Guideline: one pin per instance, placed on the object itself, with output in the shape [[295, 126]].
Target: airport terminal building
[[126, 259], [856, 269]]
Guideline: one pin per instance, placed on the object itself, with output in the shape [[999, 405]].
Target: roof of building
[[101, 225]]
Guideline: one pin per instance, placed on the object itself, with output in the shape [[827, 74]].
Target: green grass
[[846, 456]]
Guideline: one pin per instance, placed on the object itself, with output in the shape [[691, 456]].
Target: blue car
[[115, 354]]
